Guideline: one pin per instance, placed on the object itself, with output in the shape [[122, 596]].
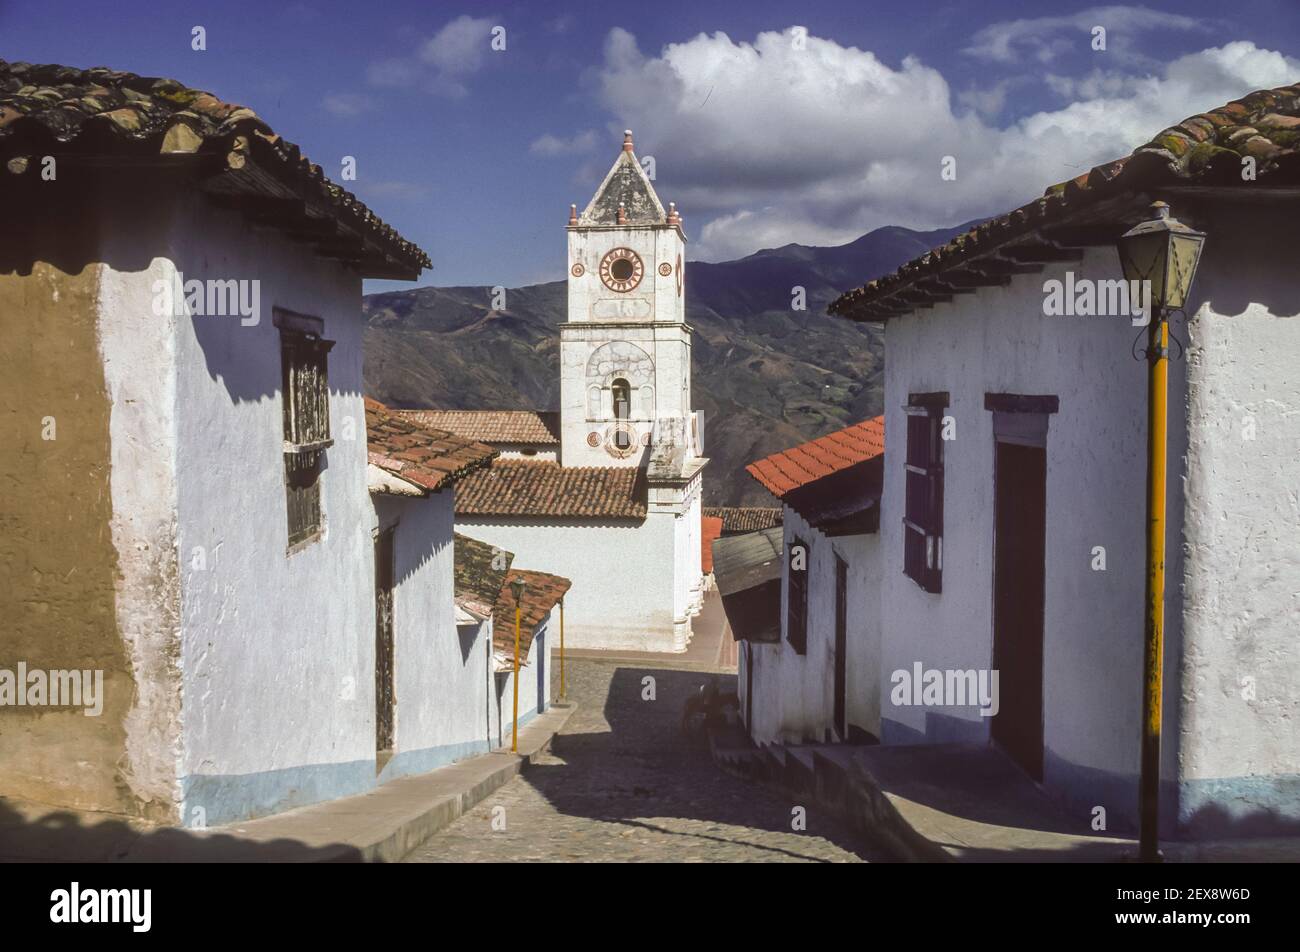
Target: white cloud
[[1042, 39], [550, 145], [761, 143], [460, 47], [443, 61], [346, 105]]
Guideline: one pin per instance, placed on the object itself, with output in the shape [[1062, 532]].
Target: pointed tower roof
[[625, 188]]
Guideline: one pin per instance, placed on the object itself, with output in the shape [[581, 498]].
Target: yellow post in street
[[1160, 254], [561, 649], [517, 585], [1152, 666]]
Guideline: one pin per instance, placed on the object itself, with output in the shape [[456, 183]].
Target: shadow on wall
[[1252, 260], [36, 833]]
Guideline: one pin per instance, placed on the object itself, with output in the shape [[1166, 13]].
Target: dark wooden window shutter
[[923, 515]]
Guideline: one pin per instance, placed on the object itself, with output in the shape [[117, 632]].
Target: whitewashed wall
[[1239, 690], [440, 672], [278, 653], [540, 652], [623, 576], [866, 681], [793, 693], [140, 358]]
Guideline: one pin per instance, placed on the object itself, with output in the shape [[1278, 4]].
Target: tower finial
[[673, 217], [573, 214], [627, 140]]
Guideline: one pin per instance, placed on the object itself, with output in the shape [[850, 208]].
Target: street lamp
[[517, 587], [1162, 254]]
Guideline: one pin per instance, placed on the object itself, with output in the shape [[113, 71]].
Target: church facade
[[607, 492]]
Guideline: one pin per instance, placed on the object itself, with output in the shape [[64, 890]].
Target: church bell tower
[[625, 349]]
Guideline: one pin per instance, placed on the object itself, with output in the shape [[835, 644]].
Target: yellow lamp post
[[1162, 252], [561, 649], [516, 586]]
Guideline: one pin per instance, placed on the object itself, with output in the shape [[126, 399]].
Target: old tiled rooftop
[[744, 518], [65, 111], [480, 571], [800, 465], [521, 487], [421, 455], [542, 592], [1205, 150], [494, 426]]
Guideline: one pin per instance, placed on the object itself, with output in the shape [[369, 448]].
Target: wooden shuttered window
[[796, 576], [923, 516], [305, 378], [302, 495], [304, 358]]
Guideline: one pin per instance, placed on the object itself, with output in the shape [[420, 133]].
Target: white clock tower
[[626, 349]]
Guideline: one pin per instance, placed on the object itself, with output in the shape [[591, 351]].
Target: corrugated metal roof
[[744, 561]]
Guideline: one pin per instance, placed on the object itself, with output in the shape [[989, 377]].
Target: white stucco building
[[189, 505], [815, 675], [485, 605], [607, 491], [1013, 516]]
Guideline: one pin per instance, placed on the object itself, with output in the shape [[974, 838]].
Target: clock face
[[621, 270]]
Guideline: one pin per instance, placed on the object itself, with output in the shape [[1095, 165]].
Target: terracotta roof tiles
[[800, 465], [102, 111], [426, 457], [494, 426], [542, 592], [745, 518], [541, 488]]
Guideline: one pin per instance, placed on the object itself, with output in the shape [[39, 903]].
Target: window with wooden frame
[[796, 595], [923, 515], [305, 397]]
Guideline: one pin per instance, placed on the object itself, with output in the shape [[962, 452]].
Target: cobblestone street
[[622, 783]]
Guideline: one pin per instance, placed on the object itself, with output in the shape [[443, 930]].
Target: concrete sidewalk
[[382, 825], [955, 803]]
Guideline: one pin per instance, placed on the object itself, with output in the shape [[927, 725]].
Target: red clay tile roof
[[426, 457], [816, 459], [493, 426], [541, 593], [745, 518], [1206, 149], [51, 109], [710, 529], [541, 488]]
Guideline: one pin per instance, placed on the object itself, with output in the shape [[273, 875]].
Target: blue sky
[[769, 122]]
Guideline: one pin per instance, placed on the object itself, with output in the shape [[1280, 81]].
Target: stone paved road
[[624, 784]]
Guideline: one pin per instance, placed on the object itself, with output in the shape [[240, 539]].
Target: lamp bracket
[[1154, 352]]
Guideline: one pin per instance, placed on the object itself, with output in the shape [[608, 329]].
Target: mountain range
[[766, 376]]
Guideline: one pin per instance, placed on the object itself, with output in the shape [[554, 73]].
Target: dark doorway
[[1020, 478], [841, 646], [749, 685], [384, 641]]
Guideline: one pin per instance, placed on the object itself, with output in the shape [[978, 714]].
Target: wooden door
[[1020, 476], [841, 646], [384, 699]]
